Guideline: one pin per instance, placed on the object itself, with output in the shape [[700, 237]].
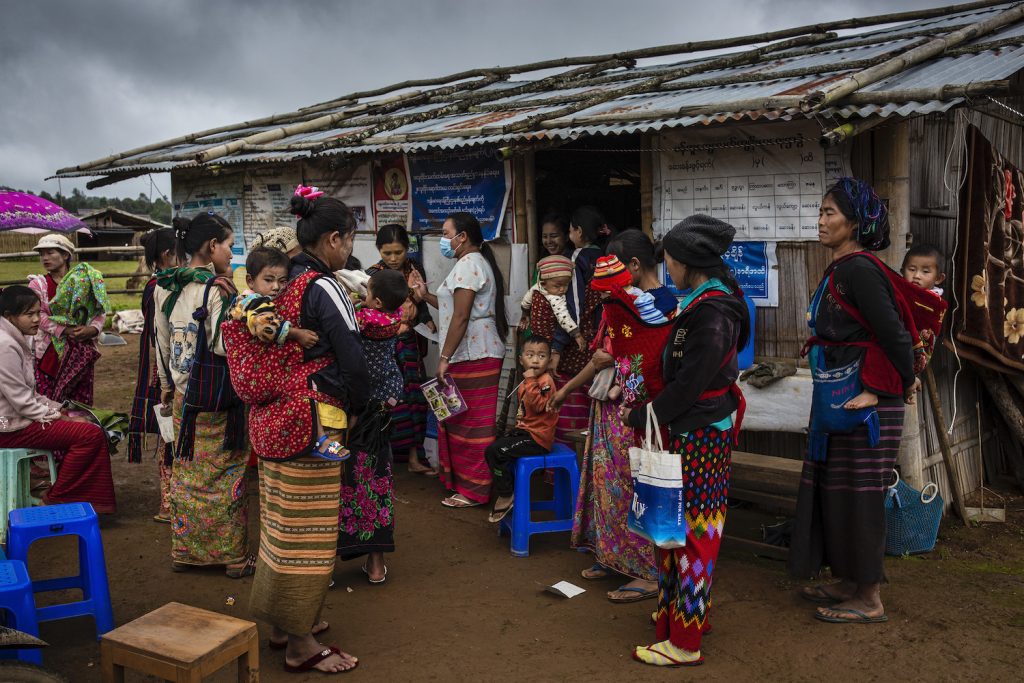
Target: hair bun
[[181, 226], [659, 252], [301, 206]]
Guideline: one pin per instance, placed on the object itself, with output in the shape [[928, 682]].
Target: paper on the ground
[[424, 331], [566, 589]]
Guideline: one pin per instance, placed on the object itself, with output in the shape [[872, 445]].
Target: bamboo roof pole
[[181, 139], [257, 140], [642, 87], [465, 103], [942, 93], [734, 79], [310, 126], [653, 83], [848, 86]]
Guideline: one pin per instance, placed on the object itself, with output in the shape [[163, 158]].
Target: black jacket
[[328, 311], [700, 342]]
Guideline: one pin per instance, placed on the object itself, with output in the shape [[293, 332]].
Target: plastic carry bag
[[657, 512]]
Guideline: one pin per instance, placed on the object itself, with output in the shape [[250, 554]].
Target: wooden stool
[[181, 643]]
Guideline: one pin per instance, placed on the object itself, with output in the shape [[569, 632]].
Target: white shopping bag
[[166, 424], [658, 506]]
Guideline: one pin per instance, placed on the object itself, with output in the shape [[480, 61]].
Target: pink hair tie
[[309, 193], [605, 231]]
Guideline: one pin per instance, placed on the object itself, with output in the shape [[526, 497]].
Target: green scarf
[[174, 281], [81, 296]]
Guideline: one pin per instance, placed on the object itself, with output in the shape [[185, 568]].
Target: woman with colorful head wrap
[[855, 319]]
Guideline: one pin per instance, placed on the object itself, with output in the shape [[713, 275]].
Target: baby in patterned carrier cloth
[[266, 275], [609, 275], [380, 318], [554, 274]]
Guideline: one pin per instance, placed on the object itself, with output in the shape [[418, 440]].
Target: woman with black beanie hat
[[696, 407]]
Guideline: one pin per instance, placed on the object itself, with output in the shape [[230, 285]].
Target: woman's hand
[[602, 359], [166, 397], [442, 370], [910, 397], [81, 333], [624, 415], [556, 401], [416, 285]]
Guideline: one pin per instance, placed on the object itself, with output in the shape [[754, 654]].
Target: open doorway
[[602, 171]]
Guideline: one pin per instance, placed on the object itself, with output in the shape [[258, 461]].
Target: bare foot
[[864, 399], [375, 569], [638, 590]]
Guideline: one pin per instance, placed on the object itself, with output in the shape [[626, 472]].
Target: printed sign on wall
[[766, 180], [391, 192], [448, 182], [223, 196]]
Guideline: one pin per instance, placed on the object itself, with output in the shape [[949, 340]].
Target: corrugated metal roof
[[418, 126]]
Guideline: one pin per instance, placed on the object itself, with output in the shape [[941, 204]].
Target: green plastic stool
[[16, 481]]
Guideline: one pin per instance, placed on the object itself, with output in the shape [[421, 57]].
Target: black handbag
[[209, 390]]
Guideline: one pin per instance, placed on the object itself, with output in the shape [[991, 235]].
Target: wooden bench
[[181, 643], [765, 480]]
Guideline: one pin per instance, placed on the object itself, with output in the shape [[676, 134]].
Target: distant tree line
[[158, 210]]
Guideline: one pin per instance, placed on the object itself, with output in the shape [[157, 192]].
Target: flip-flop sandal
[[329, 450], [274, 645], [819, 597], [376, 582], [459, 501], [641, 594], [310, 664], [498, 515], [245, 568], [671, 661], [859, 617], [161, 519], [597, 571]]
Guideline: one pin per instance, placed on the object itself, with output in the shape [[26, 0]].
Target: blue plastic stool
[[16, 597], [28, 525], [562, 460]]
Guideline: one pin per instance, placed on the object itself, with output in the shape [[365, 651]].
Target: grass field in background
[[19, 270]]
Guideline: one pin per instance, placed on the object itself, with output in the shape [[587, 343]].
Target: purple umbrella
[[23, 212]]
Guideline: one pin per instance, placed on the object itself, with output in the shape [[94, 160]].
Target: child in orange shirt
[[535, 426]]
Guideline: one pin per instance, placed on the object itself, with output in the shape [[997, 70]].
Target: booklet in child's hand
[[565, 589]]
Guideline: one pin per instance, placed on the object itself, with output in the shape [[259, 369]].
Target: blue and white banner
[[446, 182], [755, 268]]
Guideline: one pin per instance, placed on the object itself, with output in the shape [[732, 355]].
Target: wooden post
[[519, 198], [891, 147], [646, 185], [947, 452], [530, 198]]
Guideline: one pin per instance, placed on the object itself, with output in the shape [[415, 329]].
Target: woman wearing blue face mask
[[472, 331]]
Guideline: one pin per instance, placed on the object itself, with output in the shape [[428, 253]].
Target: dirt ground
[[457, 606]]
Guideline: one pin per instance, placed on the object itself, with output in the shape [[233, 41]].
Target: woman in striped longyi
[[472, 330]]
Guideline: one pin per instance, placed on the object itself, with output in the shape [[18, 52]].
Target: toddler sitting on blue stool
[[534, 433]]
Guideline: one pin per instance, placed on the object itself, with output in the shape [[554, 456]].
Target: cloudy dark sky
[[83, 79]]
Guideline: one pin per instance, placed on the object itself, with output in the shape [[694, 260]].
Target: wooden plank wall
[[933, 221]]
